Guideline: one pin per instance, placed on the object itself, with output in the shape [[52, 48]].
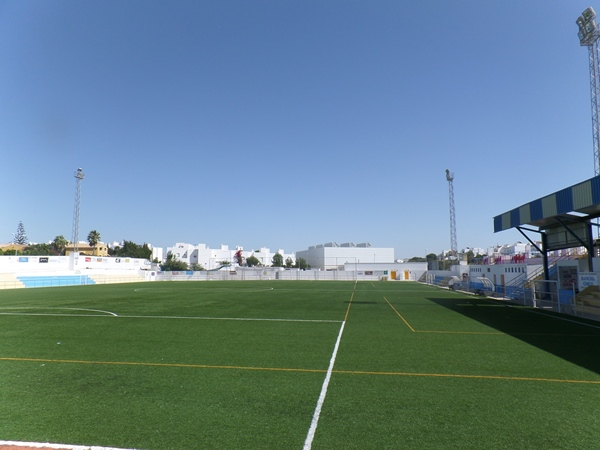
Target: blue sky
[[285, 124]]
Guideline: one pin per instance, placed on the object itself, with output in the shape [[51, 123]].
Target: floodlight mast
[[588, 37], [453, 245], [78, 177]]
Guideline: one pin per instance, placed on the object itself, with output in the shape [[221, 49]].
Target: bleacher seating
[[54, 281]]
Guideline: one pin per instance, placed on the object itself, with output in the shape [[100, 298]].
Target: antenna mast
[[588, 37], [78, 177], [453, 246]]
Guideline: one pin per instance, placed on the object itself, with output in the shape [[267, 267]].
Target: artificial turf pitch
[[190, 365]]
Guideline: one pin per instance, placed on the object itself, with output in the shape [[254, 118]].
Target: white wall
[[404, 271], [43, 264]]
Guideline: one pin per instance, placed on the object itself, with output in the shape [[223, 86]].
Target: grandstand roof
[[577, 203]]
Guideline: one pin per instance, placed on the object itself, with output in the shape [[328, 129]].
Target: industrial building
[[333, 256]]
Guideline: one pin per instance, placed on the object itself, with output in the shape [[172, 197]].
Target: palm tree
[[60, 244], [93, 238]]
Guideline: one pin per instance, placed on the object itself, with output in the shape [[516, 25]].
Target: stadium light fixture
[[588, 28]]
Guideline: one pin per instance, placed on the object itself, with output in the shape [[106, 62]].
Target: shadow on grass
[[570, 338]]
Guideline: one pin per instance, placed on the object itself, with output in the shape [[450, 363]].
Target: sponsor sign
[[588, 279], [88, 259], [43, 259], [23, 259], [568, 277]]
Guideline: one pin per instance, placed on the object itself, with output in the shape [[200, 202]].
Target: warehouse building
[[333, 256]]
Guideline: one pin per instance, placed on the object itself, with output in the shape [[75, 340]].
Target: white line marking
[[93, 310], [250, 319], [315, 420], [52, 307], [205, 289], [59, 446], [231, 318], [52, 315]]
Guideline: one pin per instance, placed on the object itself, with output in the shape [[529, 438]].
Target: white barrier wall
[[33, 264], [42, 264], [267, 273]]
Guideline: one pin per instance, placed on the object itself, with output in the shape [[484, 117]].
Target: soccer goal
[[545, 295]]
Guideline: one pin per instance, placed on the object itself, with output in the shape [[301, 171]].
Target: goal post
[[545, 295]]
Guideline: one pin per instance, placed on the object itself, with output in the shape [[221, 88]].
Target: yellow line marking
[[491, 333], [479, 377], [149, 364], [284, 369], [348, 309], [507, 334], [400, 315], [463, 332], [350, 303]]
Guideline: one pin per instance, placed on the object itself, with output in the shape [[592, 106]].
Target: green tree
[[172, 264], [130, 249], [93, 238], [252, 261], [37, 250], [224, 263], [301, 263], [20, 235], [277, 260], [59, 244], [289, 263], [197, 267]]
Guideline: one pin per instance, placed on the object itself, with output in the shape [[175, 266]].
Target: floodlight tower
[[453, 246], [78, 177], [588, 37]]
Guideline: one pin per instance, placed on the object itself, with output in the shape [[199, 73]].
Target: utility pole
[[453, 245]]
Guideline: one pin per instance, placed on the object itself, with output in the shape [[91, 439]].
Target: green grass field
[[196, 365]]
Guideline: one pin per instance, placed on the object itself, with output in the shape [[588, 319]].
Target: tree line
[[58, 246]]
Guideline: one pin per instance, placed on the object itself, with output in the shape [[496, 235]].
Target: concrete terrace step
[[117, 278], [10, 281], [589, 297]]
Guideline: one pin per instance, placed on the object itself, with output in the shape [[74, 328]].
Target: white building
[[333, 256], [157, 254], [211, 258]]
